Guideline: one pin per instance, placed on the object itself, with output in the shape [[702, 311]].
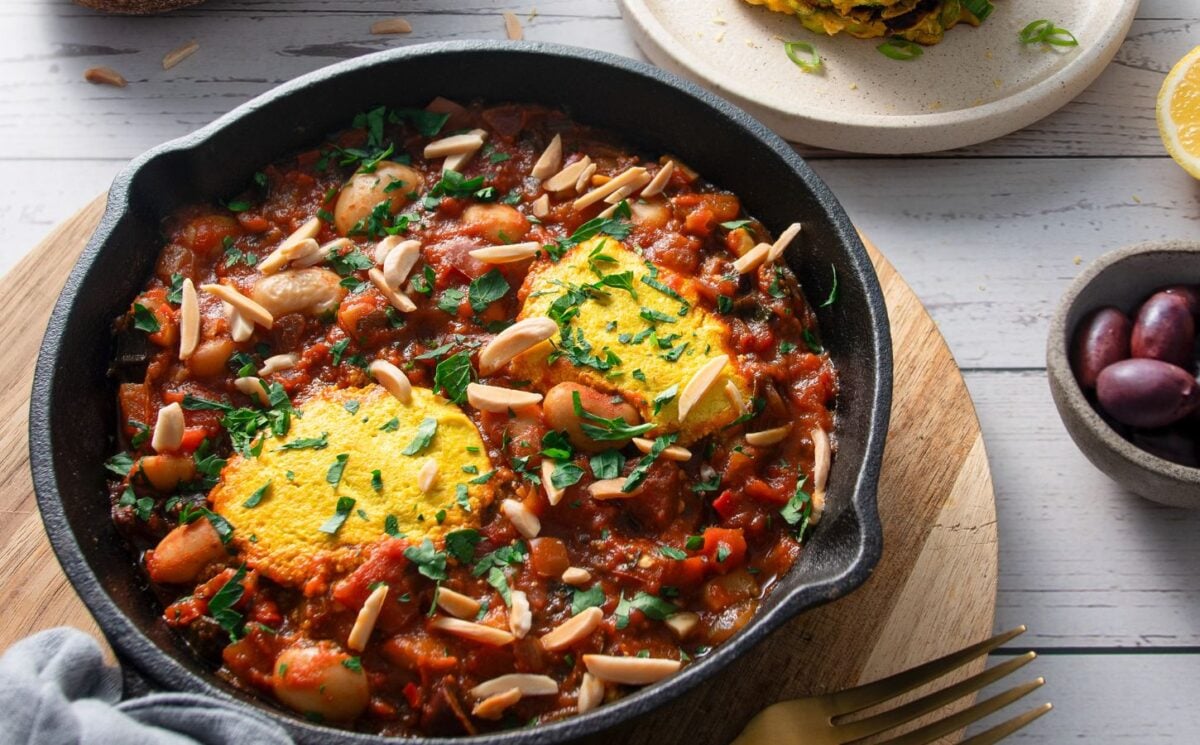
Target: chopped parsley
[[602, 429], [345, 505], [638, 474], [425, 432], [220, 605], [566, 474], [144, 319], [461, 544], [664, 398], [607, 464], [487, 289], [334, 474], [452, 376], [257, 497], [308, 443], [581, 600], [429, 561], [654, 607]]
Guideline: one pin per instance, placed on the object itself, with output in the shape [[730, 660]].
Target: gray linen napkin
[[56, 690]]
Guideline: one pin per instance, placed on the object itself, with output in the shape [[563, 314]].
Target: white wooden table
[[988, 236]]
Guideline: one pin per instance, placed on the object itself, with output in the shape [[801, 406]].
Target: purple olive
[[1101, 339], [1147, 393], [1177, 444], [1165, 330], [1190, 293]]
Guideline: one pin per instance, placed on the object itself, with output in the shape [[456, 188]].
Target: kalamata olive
[[1101, 339], [1190, 293], [1177, 444], [1165, 330], [1147, 393]]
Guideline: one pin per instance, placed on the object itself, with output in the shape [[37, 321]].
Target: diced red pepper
[[725, 549], [727, 504], [413, 695], [192, 437]]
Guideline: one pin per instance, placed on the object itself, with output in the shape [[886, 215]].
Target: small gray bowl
[[1121, 278]]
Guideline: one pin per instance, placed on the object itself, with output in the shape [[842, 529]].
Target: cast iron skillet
[[73, 403]]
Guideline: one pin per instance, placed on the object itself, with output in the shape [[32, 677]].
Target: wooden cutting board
[[934, 591]]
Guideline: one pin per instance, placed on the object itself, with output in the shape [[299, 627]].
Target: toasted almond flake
[[554, 494], [768, 436], [520, 618], [395, 297], [782, 242], [582, 181], [457, 604], [398, 263], [453, 145], [522, 518], [567, 177], [573, 630], [609, 489], [682, 624], [189, 320], [493, 706], [239, 328], [391, 26], [384, 247], [752, 259], [456, 162], [390, 377], [249, 309], [591, 693], [512, 26], [660, 180], [734, 394], [104, 76], [645, 561], [576, 576], [550, 161], [672, 452], [625, 191], [364, 624], [822, 456], [628, 176], [252, 387], [541, 206], [309, 253], [278, 362], [179, 54], [168, 429], [476, 632], [527, 683], [499, 400], [509, 254], [514, 340], [427, 476], [704, 378], [636, 671], [286, 251]]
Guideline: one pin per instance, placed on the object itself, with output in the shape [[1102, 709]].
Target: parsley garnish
[[606, 430], [487, 289], [144, 319], [452, 376], [581, 600], [334, 474], [425, 432], [638, 474], [257, 497], [566, 474], [345, 505], [607, 464], [220, 605], [833, 291], [461, 544], [308, 443], [429, 561], [665, 398], [653, 606], [672, 553]]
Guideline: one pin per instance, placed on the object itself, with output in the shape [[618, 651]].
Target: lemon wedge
[[1178, 112]]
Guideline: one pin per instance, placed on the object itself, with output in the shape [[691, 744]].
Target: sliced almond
[[752, 259], [286, 250], [493, 706], [512, 26], [609, 489], [591, 693], [573, 630], [734, 394], [626, 177], [179, 54], [476, 632], [554, 494], [189, 320], [584, 178], [368, 614], [398, 299], [509, 254], [104, 76], [767, 437], [625, 191], [550, 161], [398, 263], [457, 604], [239, 328], [682, 624], [576, 576], [390, 377], [168, 429], [704, 379], [568, 176], [384, 247], [453, 145], [427, 476], [275, 363], [672, 452], [391, 26], [514, 340], [822, 457], [307, 254], [252, 387], [782, 242], [456, 162], [636, 671], [527, 683], [522, 518], [541, 206], [249, 309], [499, 400], [520, 618], [659, 182]]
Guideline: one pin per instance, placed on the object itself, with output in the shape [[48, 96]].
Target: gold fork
[[811, 720]]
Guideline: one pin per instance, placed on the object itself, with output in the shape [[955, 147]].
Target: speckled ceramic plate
[[977, 84]]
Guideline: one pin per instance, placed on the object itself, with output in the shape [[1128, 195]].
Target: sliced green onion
[[803, 54], [981, 9], [900, 49], [1043, 31]]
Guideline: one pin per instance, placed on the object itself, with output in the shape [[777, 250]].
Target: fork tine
[[857, 699], [1004, 729], [955, 722], [931, 702]]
